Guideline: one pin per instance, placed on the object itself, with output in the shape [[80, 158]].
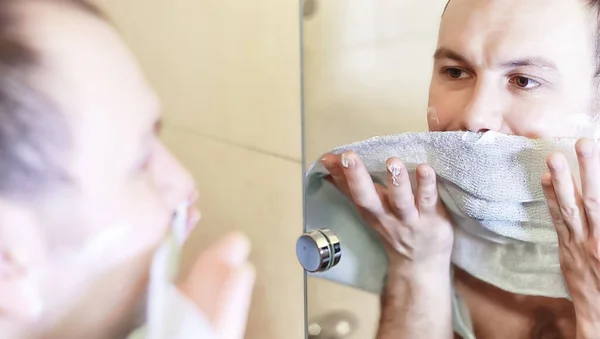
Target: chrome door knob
[[318, 250]]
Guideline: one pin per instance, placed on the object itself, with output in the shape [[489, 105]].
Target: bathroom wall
[[228, 74], [367, 66]]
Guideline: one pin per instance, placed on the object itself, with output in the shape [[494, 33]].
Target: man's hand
[[221, 283], [417, 235], [576, 217]]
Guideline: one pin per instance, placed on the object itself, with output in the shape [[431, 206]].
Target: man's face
[[516, 67], [99, 233]]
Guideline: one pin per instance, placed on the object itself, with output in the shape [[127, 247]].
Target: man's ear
[[21, 256]]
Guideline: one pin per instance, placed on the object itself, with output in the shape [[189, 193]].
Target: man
[[526, 68], [87, 189]]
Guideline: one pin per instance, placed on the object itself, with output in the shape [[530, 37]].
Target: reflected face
[[516, 67], [99, 234]]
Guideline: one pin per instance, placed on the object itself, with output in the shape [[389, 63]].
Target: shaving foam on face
[[583, 125], [488, 137], [105, 244], [432, 115], [34, 304], [112, 244], [107, 240], [180, 222]]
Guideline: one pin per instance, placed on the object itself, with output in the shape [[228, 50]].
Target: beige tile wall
[[225, 69], [228, 74]]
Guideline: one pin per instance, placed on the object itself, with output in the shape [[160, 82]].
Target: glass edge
[[303, 154]]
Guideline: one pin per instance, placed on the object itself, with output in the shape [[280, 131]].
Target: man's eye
[[455, 73], [524, 82]]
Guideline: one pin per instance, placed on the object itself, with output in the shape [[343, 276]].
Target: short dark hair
[[594, 6], [34, 136]]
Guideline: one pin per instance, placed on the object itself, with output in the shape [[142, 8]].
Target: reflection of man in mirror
[[526, 68]]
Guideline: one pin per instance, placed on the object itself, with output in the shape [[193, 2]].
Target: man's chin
[[131, 317], [131, 296], [139, 312]]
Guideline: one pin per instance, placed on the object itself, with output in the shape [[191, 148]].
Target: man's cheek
[[439, 120], [433, 120], [444, 109]]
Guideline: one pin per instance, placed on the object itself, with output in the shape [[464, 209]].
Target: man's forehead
[[88, 58], [509, 29], [518, 13], [93, 78], [519, 5]]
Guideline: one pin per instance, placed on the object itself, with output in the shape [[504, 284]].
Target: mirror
[[511, 117], [367, 66]]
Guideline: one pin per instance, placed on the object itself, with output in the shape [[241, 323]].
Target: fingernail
[[327, 163], [348, 161], [239, 249], [556, 165], [586, 149], [424, 172]]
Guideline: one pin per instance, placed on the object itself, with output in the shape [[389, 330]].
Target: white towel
[[491, 185], [170, 315]]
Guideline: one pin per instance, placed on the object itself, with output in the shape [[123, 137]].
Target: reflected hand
[[576, 217], [416, 231], [221, 284]]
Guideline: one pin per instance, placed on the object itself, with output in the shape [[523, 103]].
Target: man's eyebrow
[[446, 53], [535, 62]]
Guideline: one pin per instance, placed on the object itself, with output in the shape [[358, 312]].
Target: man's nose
[[483, 109], [175, 183]]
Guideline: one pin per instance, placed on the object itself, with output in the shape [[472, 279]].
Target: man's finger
[[564, 235], [589, 168], [401, 198], [427, 194], [236, 296], [360, 184], [333, 164], [570, 206], [214, 268]]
